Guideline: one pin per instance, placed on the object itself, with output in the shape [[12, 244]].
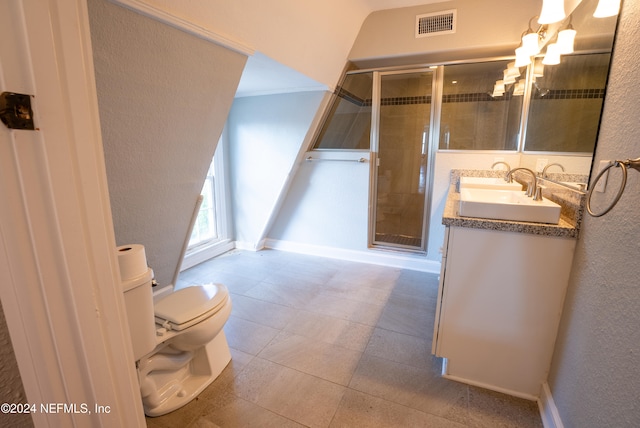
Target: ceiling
[[264, 76]]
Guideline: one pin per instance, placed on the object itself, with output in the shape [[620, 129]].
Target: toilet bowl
[[179, 344]]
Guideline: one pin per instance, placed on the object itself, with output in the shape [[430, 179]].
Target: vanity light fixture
[[531, 39], [498, 89], [518, 89], [530, 43], [607, 8], [566, 38], [513, 70], [507, 78], [552, 11], [522, 57], [552, 56]]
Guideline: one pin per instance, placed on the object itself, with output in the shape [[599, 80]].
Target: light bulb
[[530, 43], [607, 8], [552, 57], [565, 40], [552, 11]]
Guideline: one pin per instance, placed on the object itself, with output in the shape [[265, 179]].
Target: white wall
[[327, 204], [266, 136], [164, 96], [595, 374]]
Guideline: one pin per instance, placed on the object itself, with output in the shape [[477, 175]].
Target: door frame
[[61, 291], [436, 91]]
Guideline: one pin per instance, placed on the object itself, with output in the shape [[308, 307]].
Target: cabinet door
[[501, 304]]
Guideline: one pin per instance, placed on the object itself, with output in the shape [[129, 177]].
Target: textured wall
[[11, 389], [595, 376], [164, 97]]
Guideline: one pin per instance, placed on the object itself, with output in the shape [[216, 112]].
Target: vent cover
[[432, 24]]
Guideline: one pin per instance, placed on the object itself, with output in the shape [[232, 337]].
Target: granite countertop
[[450, 217]]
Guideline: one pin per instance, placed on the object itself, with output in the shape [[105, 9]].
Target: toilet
[[178, 343]]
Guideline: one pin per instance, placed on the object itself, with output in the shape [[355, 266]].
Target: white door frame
[[60, 290]]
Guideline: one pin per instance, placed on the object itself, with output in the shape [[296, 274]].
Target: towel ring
[[633, 163]]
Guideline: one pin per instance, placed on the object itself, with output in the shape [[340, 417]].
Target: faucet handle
[[538, 195]]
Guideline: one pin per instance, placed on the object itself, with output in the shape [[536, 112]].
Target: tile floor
[[326, 343]]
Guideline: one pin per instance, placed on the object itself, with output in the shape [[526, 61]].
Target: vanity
[[500, 298]]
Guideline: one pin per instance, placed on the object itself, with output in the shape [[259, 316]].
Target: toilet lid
[[191, 302]]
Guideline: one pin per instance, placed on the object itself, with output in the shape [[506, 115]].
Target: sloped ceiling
[[264, 75]]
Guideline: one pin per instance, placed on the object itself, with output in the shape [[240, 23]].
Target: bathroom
[[251, 232]]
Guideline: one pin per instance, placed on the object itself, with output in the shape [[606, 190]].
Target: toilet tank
[[138, 297]]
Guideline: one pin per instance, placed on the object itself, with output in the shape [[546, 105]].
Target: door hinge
[[15, 111]]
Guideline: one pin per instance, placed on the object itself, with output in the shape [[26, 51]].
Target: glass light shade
[[538, 68], [552, 57], [497, 92], [607, 8], [513, 70], [530, 43], [519, 88], [522, 57], [508, 79], [552, 11], [566, 39], [499, 85]]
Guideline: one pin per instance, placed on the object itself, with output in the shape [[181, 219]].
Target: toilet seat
[[189, 306]]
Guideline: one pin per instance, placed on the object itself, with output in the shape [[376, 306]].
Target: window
[[205, 230], [210, 235]]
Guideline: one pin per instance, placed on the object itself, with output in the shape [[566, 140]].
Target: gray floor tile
[[324, 342], [324, 360], [303, 398], [319, 327], [362, 410]]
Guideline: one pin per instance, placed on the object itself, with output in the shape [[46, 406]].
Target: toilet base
[[174, 389]]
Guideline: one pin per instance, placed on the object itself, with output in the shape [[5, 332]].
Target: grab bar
[[629, 163], [310, 158]]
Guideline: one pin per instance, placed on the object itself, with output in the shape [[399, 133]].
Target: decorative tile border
[[554, 94], [570, 94]]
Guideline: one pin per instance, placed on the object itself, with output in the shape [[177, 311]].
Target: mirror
[[566, 102]]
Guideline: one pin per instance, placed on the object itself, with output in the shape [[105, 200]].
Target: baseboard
[[384, 258], [548, 410], [250, 246], [197, 257]]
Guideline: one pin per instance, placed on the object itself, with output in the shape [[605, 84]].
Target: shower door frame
[[436, 90]]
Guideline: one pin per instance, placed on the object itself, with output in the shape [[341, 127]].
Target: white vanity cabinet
[[500, 300]]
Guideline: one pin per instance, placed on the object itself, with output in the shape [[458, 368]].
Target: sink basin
[[488, 183], [511, 205]]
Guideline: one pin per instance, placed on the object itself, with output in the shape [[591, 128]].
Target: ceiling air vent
[[432, 24]]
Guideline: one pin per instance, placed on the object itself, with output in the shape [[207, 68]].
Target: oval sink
[[497, 183], [507, 205]]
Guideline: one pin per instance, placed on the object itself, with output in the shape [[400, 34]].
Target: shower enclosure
[[389, 114], [401, 167]]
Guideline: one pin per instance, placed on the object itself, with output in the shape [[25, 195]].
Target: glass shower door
[[402, 174]]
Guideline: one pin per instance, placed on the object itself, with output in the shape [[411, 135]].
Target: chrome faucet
[[544, 170], [531, 189], [503, 163], [508, 168]]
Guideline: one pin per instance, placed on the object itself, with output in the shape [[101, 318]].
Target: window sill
[[202, 254]]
